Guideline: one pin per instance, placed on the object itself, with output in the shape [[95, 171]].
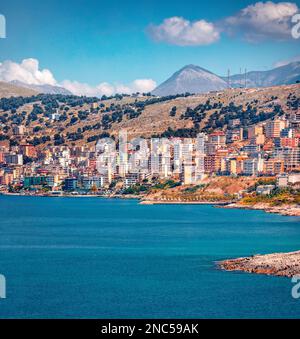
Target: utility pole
[[241, 75], [228, 77], [245, 77]]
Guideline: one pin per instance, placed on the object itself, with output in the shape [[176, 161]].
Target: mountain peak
[[195, 68], [190, 66], [191, 78]]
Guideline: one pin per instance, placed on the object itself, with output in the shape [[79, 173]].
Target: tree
[[173, 111], [37, 129]]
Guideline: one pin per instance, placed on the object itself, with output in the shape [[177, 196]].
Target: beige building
[[273, 166], [258, 139], [254, 131], [274, 127]]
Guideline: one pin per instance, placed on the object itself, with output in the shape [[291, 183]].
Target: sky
[[93, 47]]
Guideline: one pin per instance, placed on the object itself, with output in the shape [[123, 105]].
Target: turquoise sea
[[100, 258]]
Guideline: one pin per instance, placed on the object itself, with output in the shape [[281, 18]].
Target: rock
[[278, 264]]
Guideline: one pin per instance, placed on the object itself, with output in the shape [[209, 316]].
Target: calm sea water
[[92, 257]]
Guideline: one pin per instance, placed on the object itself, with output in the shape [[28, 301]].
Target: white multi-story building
[[200, 156], [123, 153]]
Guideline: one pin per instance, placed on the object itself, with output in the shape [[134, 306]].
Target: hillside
[[210, 111], [211, 189], [8, 90], [78, 124]]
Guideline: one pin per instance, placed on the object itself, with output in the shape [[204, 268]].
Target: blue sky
[[107, 41]]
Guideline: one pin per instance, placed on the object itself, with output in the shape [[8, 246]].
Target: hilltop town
[[233, 146]]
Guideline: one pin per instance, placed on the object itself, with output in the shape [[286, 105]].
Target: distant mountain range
[[47, 89], [284, 75], [191, 78], [8, 90], [194, 79]]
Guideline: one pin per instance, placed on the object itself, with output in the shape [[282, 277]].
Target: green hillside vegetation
[[182, 115]]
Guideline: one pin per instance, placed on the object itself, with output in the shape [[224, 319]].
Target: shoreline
[[275, 264], [284, 209], [72, 196]]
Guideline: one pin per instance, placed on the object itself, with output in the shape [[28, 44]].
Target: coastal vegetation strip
[[284, 201]]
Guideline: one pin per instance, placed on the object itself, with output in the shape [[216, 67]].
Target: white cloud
[[143, 85], [182, 32], [261, 21], [104, 88], [121, 88], [257, 22], [29, 73], [287, 61], [79, 88]]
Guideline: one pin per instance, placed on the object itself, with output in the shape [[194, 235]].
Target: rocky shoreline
[[288, 210], [277, 264]]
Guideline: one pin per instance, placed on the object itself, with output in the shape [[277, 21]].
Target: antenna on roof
[[228, 77], [245, 77], [241, 77]]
